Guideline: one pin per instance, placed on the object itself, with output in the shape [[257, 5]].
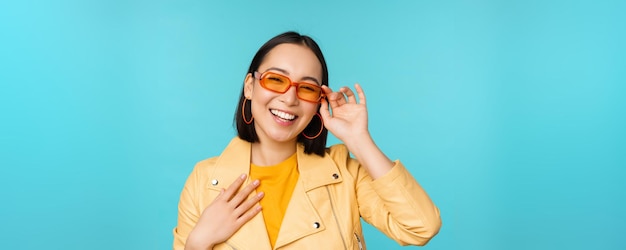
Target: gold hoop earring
[[318, 133], [243, 112]]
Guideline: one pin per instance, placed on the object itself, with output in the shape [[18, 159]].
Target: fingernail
[[260, 194], [255, 182], [243, 176]]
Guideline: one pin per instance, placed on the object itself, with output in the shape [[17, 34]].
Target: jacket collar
[[315, 171]]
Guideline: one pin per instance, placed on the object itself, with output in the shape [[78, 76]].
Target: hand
[[225, 215], [349, 118]]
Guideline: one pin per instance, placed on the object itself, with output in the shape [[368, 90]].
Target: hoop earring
[[243, 112], [318, 133]]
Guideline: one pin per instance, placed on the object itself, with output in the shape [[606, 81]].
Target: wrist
[[358, 142], [194, 244]]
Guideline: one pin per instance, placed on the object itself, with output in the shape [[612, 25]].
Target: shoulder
[[203, 167], [340, 154], [338, 151], [231, 155], [208, 162]]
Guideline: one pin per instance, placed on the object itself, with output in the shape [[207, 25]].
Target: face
[[281, 117]]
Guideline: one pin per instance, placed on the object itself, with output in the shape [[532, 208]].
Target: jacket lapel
[[302, 218], [234, 161]]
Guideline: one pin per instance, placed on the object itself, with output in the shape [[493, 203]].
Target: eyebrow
[[310, 78]]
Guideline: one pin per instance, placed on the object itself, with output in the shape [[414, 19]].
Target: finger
[[337, 98], [249, 203], [244, 193], [348, 92], [232, 189], [360, 92], [324, 112], [327, 90], [248, 215], [341, 96], [332, 98]]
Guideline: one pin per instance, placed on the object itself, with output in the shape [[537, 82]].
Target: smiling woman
[[295, 61], [277, 185]]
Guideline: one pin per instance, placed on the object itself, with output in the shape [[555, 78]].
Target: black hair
[[247, 131]]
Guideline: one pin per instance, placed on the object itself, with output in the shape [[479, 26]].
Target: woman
[[277, 186]]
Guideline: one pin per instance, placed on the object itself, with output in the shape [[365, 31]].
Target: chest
[[323, 217]]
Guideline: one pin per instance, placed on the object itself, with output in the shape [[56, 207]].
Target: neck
[[271, 153]]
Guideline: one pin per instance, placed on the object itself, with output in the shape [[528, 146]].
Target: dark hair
[[247, 131]]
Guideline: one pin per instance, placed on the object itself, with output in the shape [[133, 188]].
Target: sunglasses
[[280, 84]]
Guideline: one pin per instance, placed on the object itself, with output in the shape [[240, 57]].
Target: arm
[[389, 197], [398, 206], [349, 123]]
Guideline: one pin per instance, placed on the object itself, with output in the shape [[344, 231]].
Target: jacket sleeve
[[188, 212], [395, 204]]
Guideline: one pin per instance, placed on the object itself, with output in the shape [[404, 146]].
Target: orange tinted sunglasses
[[280, 84]]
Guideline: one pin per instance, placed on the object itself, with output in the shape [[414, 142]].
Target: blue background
[[509, 113]]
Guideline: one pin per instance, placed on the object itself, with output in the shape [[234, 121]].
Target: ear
[[248, 86]]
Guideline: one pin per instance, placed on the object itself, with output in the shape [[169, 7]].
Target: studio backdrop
[[509, 113]]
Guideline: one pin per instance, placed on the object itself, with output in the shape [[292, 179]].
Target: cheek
[[258, 106], [260, 99]]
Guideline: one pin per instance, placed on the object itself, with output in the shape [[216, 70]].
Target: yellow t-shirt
[[277, 182]]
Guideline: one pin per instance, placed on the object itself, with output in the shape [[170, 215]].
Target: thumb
[[324, 112]]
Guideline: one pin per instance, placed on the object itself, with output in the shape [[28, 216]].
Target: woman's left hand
[[349, 117]]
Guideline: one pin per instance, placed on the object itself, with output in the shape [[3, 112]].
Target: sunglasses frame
[[259, 76]]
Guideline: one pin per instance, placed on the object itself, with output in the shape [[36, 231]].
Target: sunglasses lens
[[309, 92], [275, 82], [280, 84]]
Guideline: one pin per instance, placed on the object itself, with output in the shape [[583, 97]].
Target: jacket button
[[214, 182], [316, 225], [335, 176]]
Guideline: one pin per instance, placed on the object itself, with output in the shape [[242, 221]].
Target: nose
[[290, 97]]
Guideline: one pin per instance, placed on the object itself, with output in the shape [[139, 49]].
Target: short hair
[[247, 131]]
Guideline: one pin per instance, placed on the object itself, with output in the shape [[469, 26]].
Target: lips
[[283, 115]]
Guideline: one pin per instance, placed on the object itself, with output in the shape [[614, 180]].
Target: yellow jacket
[[333, 192]]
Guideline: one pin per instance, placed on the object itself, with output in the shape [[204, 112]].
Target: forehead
[[295, 59]]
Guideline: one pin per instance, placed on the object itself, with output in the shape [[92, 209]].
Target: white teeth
[[283, 115]]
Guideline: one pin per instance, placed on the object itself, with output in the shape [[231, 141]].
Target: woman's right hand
[[225, 215]]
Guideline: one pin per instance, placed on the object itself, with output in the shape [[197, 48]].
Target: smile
[[283, 115]]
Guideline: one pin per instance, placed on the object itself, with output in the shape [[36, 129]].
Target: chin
[[283, 137]]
